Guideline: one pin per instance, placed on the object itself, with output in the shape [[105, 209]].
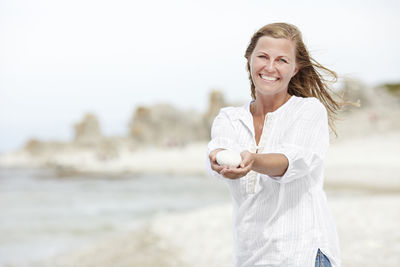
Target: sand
[[362, 173], [370, 163], [172, 160], [369, 237], [362, 184]]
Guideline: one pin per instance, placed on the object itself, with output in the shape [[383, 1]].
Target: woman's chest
[[273, 132]]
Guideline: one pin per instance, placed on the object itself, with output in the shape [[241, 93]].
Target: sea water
[[43, 214]]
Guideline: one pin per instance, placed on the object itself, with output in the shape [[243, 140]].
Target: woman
[[280, 212]]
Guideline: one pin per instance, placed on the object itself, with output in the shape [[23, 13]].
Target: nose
[[270, 66]]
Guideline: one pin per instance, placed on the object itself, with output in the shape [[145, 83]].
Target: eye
[[283, 60], [262, 57]]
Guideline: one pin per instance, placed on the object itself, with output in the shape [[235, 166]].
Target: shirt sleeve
[[308, 143], [223, 135]]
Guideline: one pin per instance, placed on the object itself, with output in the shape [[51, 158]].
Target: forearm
[[272, 164]]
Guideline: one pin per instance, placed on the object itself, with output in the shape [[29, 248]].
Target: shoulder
[[307, 109], [309, 104], [234, 113], [236, 109]]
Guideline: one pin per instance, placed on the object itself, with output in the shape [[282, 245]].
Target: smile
[[268, 78]]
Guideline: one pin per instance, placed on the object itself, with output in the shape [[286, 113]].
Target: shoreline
[[191, 239], [368, 163], [188, 160]]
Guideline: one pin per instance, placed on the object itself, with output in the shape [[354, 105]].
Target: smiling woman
[[280, 211], [291, 55]]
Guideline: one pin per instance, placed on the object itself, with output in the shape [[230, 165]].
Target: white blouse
[[280, 221]]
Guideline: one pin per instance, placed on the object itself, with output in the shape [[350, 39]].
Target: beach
[[363, 190], [368, 237], [157, 206], [365, 203]]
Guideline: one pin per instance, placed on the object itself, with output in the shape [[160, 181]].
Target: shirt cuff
[[301, 163]]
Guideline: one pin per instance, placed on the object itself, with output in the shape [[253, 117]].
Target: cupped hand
[[232, 172], [213, 160]]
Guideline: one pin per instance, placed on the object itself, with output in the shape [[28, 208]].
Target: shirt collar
[[243, 113]]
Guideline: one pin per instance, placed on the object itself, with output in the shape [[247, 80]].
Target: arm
[[272, 164], [306, 144]]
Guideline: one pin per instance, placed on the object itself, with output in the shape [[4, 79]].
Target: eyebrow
[[262, 52]]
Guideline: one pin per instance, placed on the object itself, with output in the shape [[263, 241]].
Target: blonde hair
[[308, 82]]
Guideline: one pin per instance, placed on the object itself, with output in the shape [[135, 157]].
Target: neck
[[264, 104]]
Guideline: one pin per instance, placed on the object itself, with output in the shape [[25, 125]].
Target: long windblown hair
[[310, 80]]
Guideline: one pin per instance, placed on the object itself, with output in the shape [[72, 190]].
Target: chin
[[267, 92]]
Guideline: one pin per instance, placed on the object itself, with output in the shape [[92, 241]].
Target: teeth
[[268, 78]]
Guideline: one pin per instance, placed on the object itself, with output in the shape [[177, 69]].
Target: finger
[[213, 154], [224, 169], [241, 171], [233, 173], [217, 167], [246, 169], [229, 175], [212, 157], [245, 162], [226, 172], [246, 159]]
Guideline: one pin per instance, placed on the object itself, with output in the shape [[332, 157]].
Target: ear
[[249, 67], [296, 70]]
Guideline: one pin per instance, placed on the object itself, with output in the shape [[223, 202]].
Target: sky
[[62, 59]]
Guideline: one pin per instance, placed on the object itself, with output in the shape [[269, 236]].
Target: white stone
[[229, 158]]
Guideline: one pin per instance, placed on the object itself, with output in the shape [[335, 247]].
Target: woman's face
[[272, 65]]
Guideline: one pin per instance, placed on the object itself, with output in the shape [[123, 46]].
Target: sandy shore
[[371, 162], [369, 237], [362, 183], [362, 171], [175, 160]]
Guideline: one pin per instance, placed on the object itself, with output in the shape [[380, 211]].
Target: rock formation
[[215, 103], [164, 125], [88, 130]]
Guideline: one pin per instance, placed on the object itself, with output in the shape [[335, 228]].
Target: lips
[[268, 78]]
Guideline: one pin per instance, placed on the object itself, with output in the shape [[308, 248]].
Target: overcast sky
[[61, 59]]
